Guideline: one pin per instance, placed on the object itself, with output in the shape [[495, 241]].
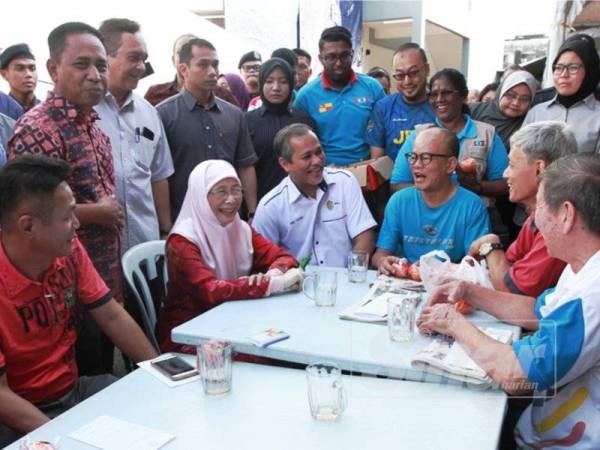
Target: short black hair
[[412, 46], [378, 72], [287, 55], [185, 52], [57, 38], [29, 176], [302, 52], [335, 34], [111, 31]]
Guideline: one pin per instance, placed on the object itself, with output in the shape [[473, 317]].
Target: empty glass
[[326, 394], [214, 364], [324, 287]]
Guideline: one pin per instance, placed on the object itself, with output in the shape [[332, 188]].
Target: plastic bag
[[436, 268]]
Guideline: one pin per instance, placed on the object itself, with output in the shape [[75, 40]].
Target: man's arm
[[122, 330], [162, 203], [16, 412], [383, 260], [377, 152], [498, 360], [511, 308], [496, 261], [107, 211], [247, 176], [364, 242]]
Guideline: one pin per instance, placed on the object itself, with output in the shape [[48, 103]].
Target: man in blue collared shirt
[[139, 145], [340, 101]]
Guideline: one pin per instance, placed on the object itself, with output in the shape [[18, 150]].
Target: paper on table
[[147, 366], [109, 433], [376, 307]]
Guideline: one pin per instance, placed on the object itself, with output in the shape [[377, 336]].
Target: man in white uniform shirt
[[141, 154], [315, 210]]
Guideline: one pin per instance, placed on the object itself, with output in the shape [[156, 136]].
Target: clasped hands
[[279, 281]]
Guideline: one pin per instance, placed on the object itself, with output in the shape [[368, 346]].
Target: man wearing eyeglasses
[[394, 117], [249, 66], [340, 101], [201, 126], [435, 213]]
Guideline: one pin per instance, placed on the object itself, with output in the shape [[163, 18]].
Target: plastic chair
[[143, 264]]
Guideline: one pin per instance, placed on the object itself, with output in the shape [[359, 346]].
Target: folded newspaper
[[451, 360], [373, 306]]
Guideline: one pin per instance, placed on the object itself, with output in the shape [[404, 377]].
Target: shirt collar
[[69, 110], [128, 104], [327, 84], [294, 193], [469, 130], [14, 281], [192, 103], [589, 101]]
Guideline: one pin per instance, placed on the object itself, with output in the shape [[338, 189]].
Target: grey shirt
[[196, 133], [141, 156], [583, 118], [7, 124]]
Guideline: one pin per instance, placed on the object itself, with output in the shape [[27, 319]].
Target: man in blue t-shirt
[[340, 100], [434, 214], [394, 117]]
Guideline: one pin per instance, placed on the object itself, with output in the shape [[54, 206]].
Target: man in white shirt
[[140, 149], [315, 210]]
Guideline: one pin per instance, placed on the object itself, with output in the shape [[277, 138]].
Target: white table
[[268, 409], [316, 333]]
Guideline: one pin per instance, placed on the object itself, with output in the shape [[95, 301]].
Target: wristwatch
[[488, 247]]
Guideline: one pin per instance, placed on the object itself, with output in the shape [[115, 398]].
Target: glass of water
[[358, 264], [214, 364], [401, 317]]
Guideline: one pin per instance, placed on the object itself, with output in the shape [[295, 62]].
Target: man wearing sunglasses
[[340, 101], [435, 213], [394, 117]]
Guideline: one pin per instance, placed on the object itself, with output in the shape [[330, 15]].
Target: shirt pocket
[[142, 154]]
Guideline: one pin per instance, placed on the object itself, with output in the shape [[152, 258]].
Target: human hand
[[289, 281], [385, 264], [451, 291], [469, 181], [110, 213], [257, 279], [440, 318], [474, 248]]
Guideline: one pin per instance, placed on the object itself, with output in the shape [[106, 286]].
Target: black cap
[[250, 56], [14, 51]]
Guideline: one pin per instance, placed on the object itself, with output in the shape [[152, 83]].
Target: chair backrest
[[141, 264]]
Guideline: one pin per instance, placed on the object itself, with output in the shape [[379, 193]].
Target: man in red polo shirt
[[526, 268], [46, 281]]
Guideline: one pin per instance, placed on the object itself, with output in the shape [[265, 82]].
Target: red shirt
[[59, 129], [193, 288], [38, 323], [532, 270]]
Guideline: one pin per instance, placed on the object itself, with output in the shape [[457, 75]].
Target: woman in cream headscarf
[[508, 110], [213, 256]]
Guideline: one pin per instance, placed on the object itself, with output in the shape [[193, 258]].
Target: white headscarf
[[518, 77], [225, 249]]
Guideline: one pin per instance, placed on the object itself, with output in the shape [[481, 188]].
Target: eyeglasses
[[251, 67], [444, 93], [342, 57], [425, 158], [558, 69], [223, 193], [412, 73], [520, 98]]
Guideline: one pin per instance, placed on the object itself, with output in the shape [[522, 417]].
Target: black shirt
[[264, 125]]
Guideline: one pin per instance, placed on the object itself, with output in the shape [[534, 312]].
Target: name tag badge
[[324, 107]]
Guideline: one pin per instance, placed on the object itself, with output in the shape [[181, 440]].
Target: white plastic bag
[[436, 268]]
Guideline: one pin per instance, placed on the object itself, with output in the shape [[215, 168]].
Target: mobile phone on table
[[175, 368]]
